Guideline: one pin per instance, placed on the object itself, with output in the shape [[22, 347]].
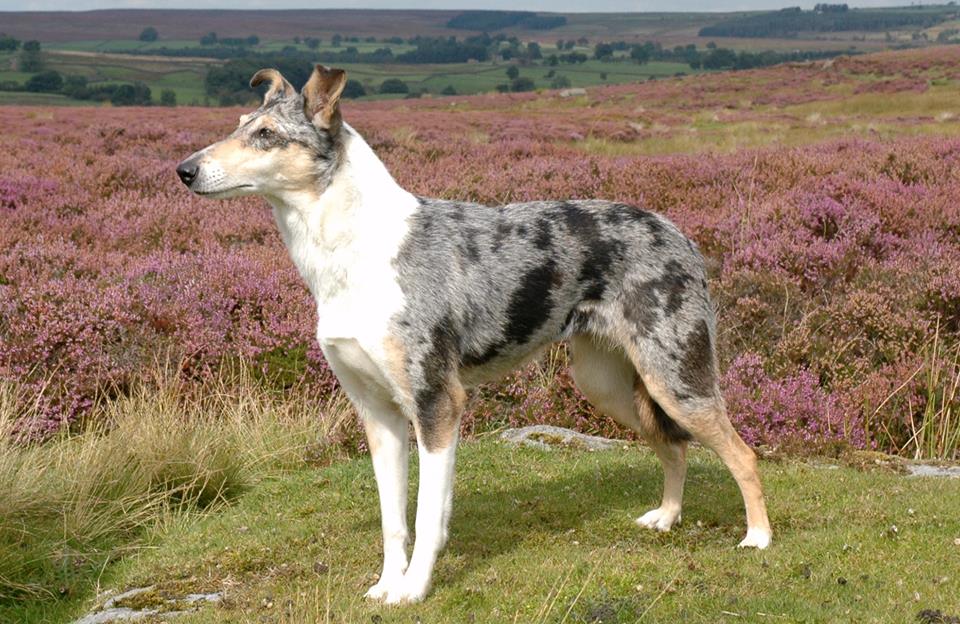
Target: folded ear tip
[[259, 77], [330, 72]]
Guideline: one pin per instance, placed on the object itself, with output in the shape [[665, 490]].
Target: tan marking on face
[[288, 168], [231, 154]]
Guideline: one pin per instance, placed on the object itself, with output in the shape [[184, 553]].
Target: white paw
[[756, 538], [659, 519], [406, 591], [382, 589]]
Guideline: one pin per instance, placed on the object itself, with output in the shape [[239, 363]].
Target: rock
[[929, 470], [164, 608], [547, 437], [565, 93]]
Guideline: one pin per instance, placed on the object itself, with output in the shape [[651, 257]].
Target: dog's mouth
[[225, 191]]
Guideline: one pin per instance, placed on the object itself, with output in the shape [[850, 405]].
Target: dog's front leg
[[433, 513], [387, 437]]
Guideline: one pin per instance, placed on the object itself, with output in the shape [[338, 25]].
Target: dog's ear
[[277, 85], [321, 97]]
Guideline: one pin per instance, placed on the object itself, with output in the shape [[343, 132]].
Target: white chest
[[344, 243]]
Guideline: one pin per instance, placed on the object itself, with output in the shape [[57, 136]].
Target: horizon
[[543, 6]]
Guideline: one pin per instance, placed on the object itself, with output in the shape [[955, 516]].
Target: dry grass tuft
[[70, 505]]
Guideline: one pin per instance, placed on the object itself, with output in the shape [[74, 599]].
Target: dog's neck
[[358, 218]]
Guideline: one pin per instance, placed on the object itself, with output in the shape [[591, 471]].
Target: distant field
[[103, 47], [101, 63], [127, 24], [177, 27], [469, 78]]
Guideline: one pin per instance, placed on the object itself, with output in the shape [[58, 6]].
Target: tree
[[533, 51], [136, 94], [394, 85], [149, 34], [560, 82], [312, 42], [720, 58], [8, 43], [448, 90], [209, 39], [30, 57], [336, 40], [353, 89], [513, 72], [76, 87], [253, 40], [45, 82], [522, 84], [603, 51], [168, 97], [640, 54]]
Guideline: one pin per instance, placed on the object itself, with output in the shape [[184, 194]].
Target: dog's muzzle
[[187, 170]]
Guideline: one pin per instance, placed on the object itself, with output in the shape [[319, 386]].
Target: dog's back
[[495, 283]]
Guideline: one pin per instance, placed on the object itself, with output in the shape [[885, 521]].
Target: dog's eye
[[265, 133]]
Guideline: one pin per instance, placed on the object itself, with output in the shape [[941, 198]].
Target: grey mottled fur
[[488, 286]]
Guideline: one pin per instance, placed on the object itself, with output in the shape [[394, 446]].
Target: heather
[[829, 227]]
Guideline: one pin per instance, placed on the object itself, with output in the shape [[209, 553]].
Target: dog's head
[[291, 143]]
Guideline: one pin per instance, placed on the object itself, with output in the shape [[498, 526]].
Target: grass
[[71, 506], [548, 537]]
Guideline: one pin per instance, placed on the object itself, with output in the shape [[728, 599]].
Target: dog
[[419, 299]]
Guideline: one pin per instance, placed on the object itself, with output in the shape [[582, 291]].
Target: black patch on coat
[[599, 253], [577, 322], [544, 238], [641, 307], [665, 293], [696, 363], [668, 427], [531, 304], [500, 235], [470, 248], [436, 366], [474, 358]]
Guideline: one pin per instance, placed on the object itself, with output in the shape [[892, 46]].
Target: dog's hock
[[321, 96], [277, 84]]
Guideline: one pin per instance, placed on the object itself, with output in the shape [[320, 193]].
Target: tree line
[[74, 86], [828, 18], [489, 21]]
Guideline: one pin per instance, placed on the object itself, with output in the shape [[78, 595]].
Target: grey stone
[[928, 470], [547, 437], [109, 612]]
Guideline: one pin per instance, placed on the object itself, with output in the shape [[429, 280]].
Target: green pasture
[[548, 536]]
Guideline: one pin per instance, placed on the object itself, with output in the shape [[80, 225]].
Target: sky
[[529, 5]]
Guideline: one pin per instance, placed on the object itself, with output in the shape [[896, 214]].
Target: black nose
[[187, 170]]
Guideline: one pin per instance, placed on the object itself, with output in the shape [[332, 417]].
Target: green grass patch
[[549, 537], [71, 506]]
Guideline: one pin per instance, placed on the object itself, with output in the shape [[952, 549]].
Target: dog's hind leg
[[691, 402], [437, 427], [610, 382], [670, 445]]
